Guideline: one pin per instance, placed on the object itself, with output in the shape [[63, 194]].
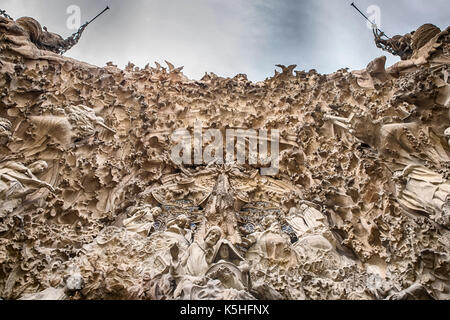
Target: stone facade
[[93, 207]]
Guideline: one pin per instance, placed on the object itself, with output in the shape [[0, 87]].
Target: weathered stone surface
[[92, 206]]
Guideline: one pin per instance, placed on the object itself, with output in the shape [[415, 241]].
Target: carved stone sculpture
[[447, 135], [17, 181], [271, 245], [5, 131], [142, 219], [199, 256], [404, 46], [93, 204], [420, 189]]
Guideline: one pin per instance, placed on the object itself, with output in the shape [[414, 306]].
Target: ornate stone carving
[[421, 189], [92, 205], [5, 131], [405, 46]]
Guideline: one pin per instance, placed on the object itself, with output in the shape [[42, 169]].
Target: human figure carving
[[45, 40], [272, 244], [313, 218], [405, 46], [142, 219], [297, 221], [306, 219], [5, 131], [229, 266], [180, 225], [85, 119], [199, 255], [447, 135], [397, 45], [415, 292], [17, 181], [420, 189], [40, 36], [220, 209], [195, 263], [226, 251]]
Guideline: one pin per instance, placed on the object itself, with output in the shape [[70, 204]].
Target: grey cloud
[[233, 36]]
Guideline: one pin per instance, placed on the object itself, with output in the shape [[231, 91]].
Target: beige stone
[[93, 206]]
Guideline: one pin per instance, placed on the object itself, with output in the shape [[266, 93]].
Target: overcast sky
[[228, 37]]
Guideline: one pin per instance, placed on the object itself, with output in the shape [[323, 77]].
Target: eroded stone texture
[[93, 206]]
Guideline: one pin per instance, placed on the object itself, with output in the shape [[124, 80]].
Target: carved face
[[225, 275], [4, 139], [156, 211], [447, 133], [5, 130], [224, 252], [38, 167], [268, 221], [293, 212], [212, 237], [75, 282], [398, 177], [182, 221], [303, 207]]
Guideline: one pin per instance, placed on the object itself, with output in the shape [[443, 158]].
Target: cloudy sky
[[228, 37]]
